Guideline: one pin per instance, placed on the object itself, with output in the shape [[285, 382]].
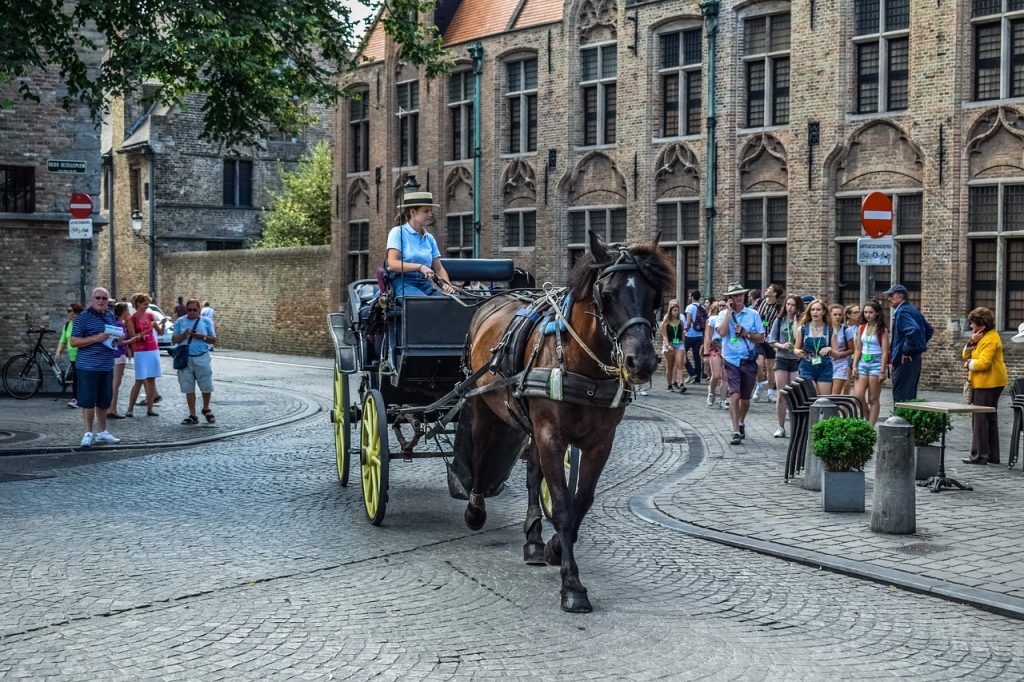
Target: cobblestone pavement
[[244, 559], [968, 539]]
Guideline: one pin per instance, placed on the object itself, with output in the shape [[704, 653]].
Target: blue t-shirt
[[205, 327], [412, 247], [693, 330], [95, 357], [735, 349]]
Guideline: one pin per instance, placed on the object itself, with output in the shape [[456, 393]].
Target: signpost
[[876, 215], [80, 225]]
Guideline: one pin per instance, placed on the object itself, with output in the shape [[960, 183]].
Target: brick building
[[594, 115], [167, 191], [46, 154]]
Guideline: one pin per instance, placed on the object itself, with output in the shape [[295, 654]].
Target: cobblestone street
[[245, 559]]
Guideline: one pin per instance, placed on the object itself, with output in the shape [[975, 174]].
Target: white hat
[[1019, 336]]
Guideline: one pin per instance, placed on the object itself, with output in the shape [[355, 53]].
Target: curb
[[310, 408], [644, 506]]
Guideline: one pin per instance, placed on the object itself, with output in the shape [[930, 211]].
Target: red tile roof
[[538, 12], [375, 43]]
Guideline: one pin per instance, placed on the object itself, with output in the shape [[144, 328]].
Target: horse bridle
[[624, 263]]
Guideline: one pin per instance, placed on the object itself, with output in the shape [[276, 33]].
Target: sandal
[[151, 413], [128, 415], [208, 413], [191, 419]]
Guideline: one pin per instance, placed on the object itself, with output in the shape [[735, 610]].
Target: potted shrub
[[928, 428], [844, 445]]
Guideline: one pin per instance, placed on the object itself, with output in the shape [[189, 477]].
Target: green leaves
[[843, 443], [301, 214], [928, 426], [253, 59]]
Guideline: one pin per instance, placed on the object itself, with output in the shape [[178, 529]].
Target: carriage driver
[[413, 257]]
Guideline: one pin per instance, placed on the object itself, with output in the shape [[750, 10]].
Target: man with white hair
[[95, 367]]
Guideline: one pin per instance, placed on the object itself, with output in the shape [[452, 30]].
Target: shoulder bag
[[180, 352]]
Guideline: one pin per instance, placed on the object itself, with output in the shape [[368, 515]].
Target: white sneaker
[[711, 400], [725, 404], [772, 397], [780, 432], [756, 397], [106, 437], [87, 440]]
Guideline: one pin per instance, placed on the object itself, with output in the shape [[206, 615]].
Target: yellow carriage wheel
[[342, 426], [546, 503], [375, 456]]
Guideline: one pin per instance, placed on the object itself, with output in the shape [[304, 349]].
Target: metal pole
[[476, 51], [709, 8]]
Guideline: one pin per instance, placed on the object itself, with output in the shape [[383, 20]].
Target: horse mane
[[653, 263]]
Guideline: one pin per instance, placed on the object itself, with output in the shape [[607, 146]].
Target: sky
[[359, 10]]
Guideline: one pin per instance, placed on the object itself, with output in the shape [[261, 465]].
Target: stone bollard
[[893, 507], [822, 408]]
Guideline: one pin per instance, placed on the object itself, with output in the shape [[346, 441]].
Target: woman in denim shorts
[[781, 336], [870, 359], [815, 344]]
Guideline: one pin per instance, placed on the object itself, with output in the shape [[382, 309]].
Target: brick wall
[[268, 300]]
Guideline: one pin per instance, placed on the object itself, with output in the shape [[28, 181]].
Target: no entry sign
[[81, 205], [876, 215]]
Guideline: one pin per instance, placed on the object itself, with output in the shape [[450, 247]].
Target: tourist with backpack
[[910, 336], [696, 320], [815, 343]]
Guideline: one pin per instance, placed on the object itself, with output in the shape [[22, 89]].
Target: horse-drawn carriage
[[496, 375]]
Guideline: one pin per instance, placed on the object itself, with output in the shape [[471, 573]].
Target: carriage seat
[[479, 269]]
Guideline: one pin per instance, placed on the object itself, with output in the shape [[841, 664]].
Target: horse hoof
[[475, 517], [533, 554], [576, 601]]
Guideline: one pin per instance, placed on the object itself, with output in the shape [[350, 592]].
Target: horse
[[563, 394]]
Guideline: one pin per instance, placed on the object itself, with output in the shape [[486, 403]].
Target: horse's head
[[625, 286]]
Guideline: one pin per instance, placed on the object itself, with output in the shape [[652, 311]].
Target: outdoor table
[[937, 483]]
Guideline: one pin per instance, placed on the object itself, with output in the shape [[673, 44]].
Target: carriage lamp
[[137, 222]]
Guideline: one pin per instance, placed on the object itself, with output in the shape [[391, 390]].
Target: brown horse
[[607, 346]]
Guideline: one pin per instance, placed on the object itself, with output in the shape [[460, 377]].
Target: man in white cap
[[910, 336]]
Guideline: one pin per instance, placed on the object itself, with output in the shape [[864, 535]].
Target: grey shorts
[[199, 371]]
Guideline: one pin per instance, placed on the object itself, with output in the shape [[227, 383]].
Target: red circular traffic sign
[[876, 215], [81, 205]]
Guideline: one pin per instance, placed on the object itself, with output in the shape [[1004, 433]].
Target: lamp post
[[137, 223], [709, 8]]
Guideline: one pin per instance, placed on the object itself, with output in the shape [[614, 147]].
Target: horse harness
[[550, 310]]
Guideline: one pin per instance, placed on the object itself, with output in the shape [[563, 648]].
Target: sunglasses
[[101, 298], [71, 310]]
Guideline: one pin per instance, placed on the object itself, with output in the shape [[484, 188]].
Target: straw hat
[[1019, 336], [735, 288], [418, 200]]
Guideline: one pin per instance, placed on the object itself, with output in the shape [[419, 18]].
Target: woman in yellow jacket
[[983, 359]]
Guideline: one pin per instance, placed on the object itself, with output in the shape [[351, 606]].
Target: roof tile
[[538, 12]]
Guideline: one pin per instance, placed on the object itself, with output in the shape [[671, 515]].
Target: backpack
[[700, 318]]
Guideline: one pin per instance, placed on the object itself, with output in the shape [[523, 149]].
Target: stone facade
[[787, 188], [179, 188], [42, 269], [268, 300]]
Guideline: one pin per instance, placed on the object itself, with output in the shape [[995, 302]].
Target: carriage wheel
[[342, 426], [572, 455], [374, 456]]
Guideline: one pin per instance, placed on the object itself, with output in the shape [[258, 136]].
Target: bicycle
[[23, 373]]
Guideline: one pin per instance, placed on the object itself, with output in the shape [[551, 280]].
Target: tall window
[[856, 283], [358, 250], [460, 111], [522, 105], [608, 223], [679, 225], [882, 46], [17, 189], [681, 53], [359, 131], [135, 187], [597, 84], [995, 226], [520, 229], [237, 183], [764, 225], [408, 114], [766, 67], [460, 236], [998, 48]]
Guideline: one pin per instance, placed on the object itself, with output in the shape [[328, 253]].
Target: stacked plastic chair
[[1017, 404]]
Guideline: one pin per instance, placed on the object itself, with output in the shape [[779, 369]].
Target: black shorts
[[766, 350], [787, 364]]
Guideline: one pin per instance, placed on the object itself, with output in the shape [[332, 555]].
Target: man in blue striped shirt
[[95, 365]]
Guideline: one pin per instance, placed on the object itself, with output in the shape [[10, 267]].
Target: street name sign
[[65, 166], [80, 228], [876, 215], [871, 251]]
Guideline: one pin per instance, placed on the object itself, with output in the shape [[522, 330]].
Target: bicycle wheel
[[22, 376]]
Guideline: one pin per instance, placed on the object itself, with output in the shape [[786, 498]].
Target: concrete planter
[[926, 462], [842, 491]]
